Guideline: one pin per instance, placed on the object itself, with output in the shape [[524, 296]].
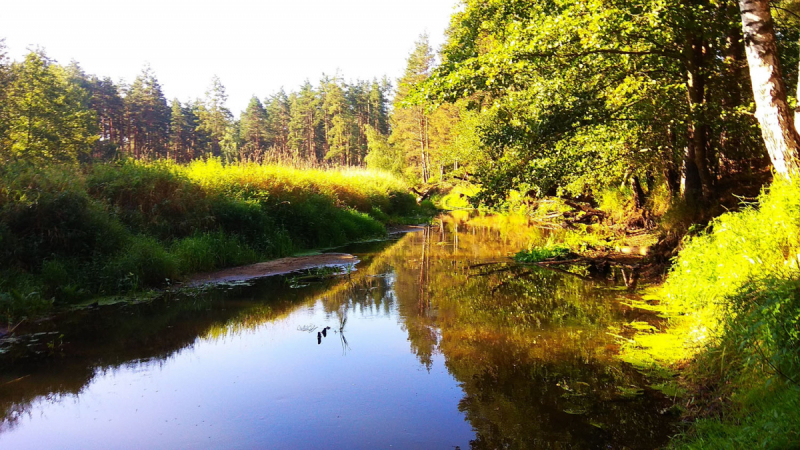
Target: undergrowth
[[70, 233], [733, 302]]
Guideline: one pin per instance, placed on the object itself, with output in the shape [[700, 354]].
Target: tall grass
[[67, 233], [738, 248], [733, 296]]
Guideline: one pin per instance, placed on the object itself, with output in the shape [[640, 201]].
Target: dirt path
[[274, 267]]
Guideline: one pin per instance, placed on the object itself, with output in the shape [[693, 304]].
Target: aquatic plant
[[544, 253]]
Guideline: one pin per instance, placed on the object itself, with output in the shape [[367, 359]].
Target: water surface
[[436, 340]]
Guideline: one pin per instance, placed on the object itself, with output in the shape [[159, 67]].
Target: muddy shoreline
[[281, 266]]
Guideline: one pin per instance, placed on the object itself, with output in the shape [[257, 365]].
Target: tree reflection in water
[[528, 346]]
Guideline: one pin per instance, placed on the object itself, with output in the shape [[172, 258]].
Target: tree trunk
[[698, 141], [670, 170], [691, 184], [772, 109], [797, 108], [638, 192], [730, 142]]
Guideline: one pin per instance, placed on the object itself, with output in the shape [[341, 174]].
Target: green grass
[[733, 301], [767, 417], [70, 233]]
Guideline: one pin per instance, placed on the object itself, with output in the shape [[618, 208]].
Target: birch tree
[[772, 108]]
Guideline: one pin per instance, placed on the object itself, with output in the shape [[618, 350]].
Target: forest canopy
[[573, 94]]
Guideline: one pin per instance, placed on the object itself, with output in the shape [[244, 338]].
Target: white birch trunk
[[772, 109]]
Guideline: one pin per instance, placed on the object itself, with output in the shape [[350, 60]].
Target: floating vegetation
[[546, 253]]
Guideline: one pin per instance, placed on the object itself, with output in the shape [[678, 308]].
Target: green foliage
[[383, 156], [148, 116], [45, 213], [209, 251], [547, 252], [737, 249], [573, 93], [254, 130], [458, 197], [143, 262], [767, 418], [46, 114], [733, 297], [154, 199], [764, 325], [67, 234]]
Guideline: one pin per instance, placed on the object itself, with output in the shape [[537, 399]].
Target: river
[[435, 339]]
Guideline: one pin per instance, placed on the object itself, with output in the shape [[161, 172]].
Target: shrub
[[764, 325], [737, 249], [152, 198], [65, 234], [47, 213], [210, 251], [142, 262]]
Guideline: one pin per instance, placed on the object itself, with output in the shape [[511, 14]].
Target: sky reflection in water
[[447, 344]]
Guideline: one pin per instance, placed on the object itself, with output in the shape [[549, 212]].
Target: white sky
[[255, 46]]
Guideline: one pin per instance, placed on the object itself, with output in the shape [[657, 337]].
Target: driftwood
[[589, 213], [422, 195]]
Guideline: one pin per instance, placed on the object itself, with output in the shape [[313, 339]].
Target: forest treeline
[[58, 113], [541, 98]]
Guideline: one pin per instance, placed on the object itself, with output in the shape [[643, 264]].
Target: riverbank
[[727, 350], [69, 234], [733, 300], [438, 320]]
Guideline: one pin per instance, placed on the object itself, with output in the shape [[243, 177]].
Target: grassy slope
[[733, 298], [68, 234]]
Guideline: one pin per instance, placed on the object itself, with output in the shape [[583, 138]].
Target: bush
[[66, 234], [764, 325], [210, 251], [48, 213], [142, 262], [734, 298], [152, 198], [768, 417], [738, 249]]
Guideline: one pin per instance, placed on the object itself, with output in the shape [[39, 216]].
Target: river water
[[435, 340]]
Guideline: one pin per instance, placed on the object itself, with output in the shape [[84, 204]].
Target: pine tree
[[147, 117], [411, 124], [231, 143], [5, 81], [378, 102], [215, 117], [200, 139], [358, 97], [278, 118], [338, 122], [109, 108], [305, 125], [179, 133], [254, 131], [46, 112]]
